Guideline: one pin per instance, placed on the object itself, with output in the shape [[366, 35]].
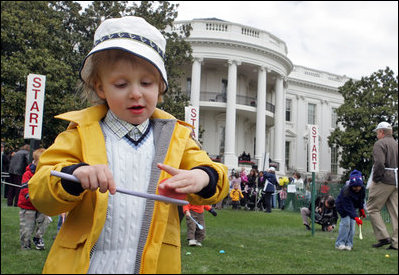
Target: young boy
[[123, 141], [32, 222], [351, 197], [235, 195], [195, 235]]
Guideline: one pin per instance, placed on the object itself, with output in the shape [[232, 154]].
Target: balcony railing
[[240, 99], [211, 28]]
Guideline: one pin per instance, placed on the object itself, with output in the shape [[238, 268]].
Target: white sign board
[[34, 106], [314, 154], [192, 117]]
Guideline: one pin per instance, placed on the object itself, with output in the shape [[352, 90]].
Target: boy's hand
[[96, 176], [358, 221], [184, 181]]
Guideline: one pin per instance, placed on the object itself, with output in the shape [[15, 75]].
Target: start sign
[[192, 117], [314, 154], [34, 106]]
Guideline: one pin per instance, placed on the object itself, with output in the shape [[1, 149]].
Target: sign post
[[35, 89], [313, 161], [192, 117]]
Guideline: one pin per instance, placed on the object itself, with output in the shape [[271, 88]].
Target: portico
[[253, 105]]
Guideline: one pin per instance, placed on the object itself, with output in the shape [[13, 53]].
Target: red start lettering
[[33, 128], [193, 112], [37, 82], [34, 117], [34, 107]]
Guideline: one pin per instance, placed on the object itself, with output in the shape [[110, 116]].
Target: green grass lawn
[[277, 242], [253, 242]]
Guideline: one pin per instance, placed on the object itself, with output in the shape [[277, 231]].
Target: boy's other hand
[[184, 181]]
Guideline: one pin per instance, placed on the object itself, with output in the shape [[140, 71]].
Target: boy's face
[[356, 188], [130, 89]]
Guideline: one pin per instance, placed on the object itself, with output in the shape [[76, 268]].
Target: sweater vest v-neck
[[115, 250]]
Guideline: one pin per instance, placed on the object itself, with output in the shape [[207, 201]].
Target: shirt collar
[[120, 127]]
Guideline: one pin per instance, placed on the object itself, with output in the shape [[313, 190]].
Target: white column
[[279, 123], [230, 158], [196, 82], [261, 118], [300, 121], [324, 126]]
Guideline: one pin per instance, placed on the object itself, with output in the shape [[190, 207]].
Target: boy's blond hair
[[97, 60]]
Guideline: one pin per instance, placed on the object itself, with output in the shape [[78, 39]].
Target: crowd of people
[[263, 190]]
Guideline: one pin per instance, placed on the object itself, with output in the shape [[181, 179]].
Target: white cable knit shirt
[[116, 249]]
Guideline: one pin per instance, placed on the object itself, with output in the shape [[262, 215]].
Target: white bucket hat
[[383, 125], [134, 35]]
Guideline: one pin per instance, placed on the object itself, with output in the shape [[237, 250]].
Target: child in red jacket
[[195, 235], [29, 217]]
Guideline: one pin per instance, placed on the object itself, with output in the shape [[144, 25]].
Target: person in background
[[243, 185], [298, 182], [235, 179], [324, 188], [195, 235], [249, 190], [282, 182], [349, 199], [32, 222], [235, 195], [283, 197], [261, 180], [18, 164], [384, 186], [325, 213], [269, 189]]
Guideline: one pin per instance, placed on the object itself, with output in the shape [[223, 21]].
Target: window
[[224, 86], [222, 135], [334, 160], [287, 154], [334, 118], [311, 113], [188, 87], [288, 109]]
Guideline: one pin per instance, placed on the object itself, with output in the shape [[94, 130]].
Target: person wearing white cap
[[384, 187], [269, 189], [123, 141]]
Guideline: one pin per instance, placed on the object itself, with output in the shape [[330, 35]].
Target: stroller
[[252, 198], [259, 200]]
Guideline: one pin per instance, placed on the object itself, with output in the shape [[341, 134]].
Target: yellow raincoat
[[83, 141]]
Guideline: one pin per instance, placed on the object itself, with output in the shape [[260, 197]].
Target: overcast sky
[[344, 38]]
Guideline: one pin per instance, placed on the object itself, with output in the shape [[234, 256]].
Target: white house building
[[253, 99]]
